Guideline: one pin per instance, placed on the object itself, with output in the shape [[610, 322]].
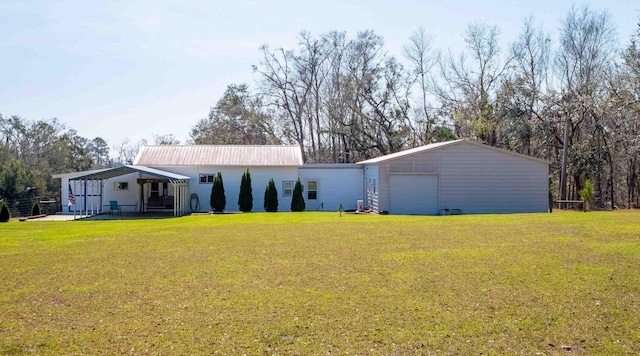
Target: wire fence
[[30, 206]]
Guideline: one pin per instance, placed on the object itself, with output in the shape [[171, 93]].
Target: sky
[[133, 69]]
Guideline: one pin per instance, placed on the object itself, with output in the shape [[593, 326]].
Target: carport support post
[[74, 200], [141, 196], [93, 196], [176, 196], [101, 195], [185, 201], [84, 196]]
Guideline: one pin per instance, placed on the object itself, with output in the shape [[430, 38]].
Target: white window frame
[[284, 188], [120, 185], [313, 190], [206, 178]]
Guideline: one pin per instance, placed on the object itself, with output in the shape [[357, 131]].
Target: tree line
[[573, 100], [31, 151]]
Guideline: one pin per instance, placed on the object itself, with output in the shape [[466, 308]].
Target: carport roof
[[122, 170]]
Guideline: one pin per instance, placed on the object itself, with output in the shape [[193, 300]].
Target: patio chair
[[113, 204]]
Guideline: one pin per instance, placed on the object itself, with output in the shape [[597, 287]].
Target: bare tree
[[282, 84], [167, 139], [423, 58], [520, 103], [468, 84], [583, 64], [127, 151]]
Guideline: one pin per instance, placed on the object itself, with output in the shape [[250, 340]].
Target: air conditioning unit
[[360, 205]]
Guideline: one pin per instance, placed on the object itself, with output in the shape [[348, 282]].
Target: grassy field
[[314, 283]]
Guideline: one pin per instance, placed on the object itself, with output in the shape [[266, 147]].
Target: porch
[[161, 191]]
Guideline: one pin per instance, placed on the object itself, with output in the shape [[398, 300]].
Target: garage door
[[413, 194]]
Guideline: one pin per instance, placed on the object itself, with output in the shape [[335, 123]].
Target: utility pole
[[563, 171]]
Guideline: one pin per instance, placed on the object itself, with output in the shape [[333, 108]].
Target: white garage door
[[413, 194]]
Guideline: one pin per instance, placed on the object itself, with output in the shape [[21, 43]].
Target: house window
[[287, 188], [155, 190], [312, 190], [120, 185], [206, 178]]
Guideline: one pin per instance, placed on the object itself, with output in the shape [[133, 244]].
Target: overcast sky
[[131, 69]]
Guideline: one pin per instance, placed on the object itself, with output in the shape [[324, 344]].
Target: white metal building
[[459, 175]]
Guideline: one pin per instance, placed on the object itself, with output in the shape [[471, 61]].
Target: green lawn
[[315, 283]]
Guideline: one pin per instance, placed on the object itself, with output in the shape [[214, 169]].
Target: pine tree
[[5, 214], [245, 200], [271, 197], [297, 202], [241, 196], [218, 200]]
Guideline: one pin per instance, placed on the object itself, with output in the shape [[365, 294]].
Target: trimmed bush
[[35, 210], [218, 200], [245, 200], [5, 214], [271, 197], [297, 202]]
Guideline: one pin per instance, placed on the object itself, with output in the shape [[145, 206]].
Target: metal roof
[[438, 145], [81, 173], [122, 170], [219, 155], [331, 166], [408, 152]]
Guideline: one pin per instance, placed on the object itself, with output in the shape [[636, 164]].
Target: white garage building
[[460, 175]]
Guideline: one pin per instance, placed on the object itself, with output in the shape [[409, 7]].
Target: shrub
[[297, 202], [5, 214], [271, 197], [35, 210], [587, 193], [245, 200], [218, 200]]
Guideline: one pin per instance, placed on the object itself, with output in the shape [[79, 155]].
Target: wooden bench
[[569, 203]]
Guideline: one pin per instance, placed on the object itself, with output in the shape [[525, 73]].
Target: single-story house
[[461, 175]]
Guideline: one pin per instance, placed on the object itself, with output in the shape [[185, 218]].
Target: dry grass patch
[[311, 283]]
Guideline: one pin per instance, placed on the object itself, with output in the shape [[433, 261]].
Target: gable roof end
[[408, 152], [438, 145]]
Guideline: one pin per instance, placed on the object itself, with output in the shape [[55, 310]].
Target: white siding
[[336, 185], [481, 180], [473, 178], [231, 177], [128, 199]]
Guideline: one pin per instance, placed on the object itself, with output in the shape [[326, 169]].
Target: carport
[[93, 186]]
